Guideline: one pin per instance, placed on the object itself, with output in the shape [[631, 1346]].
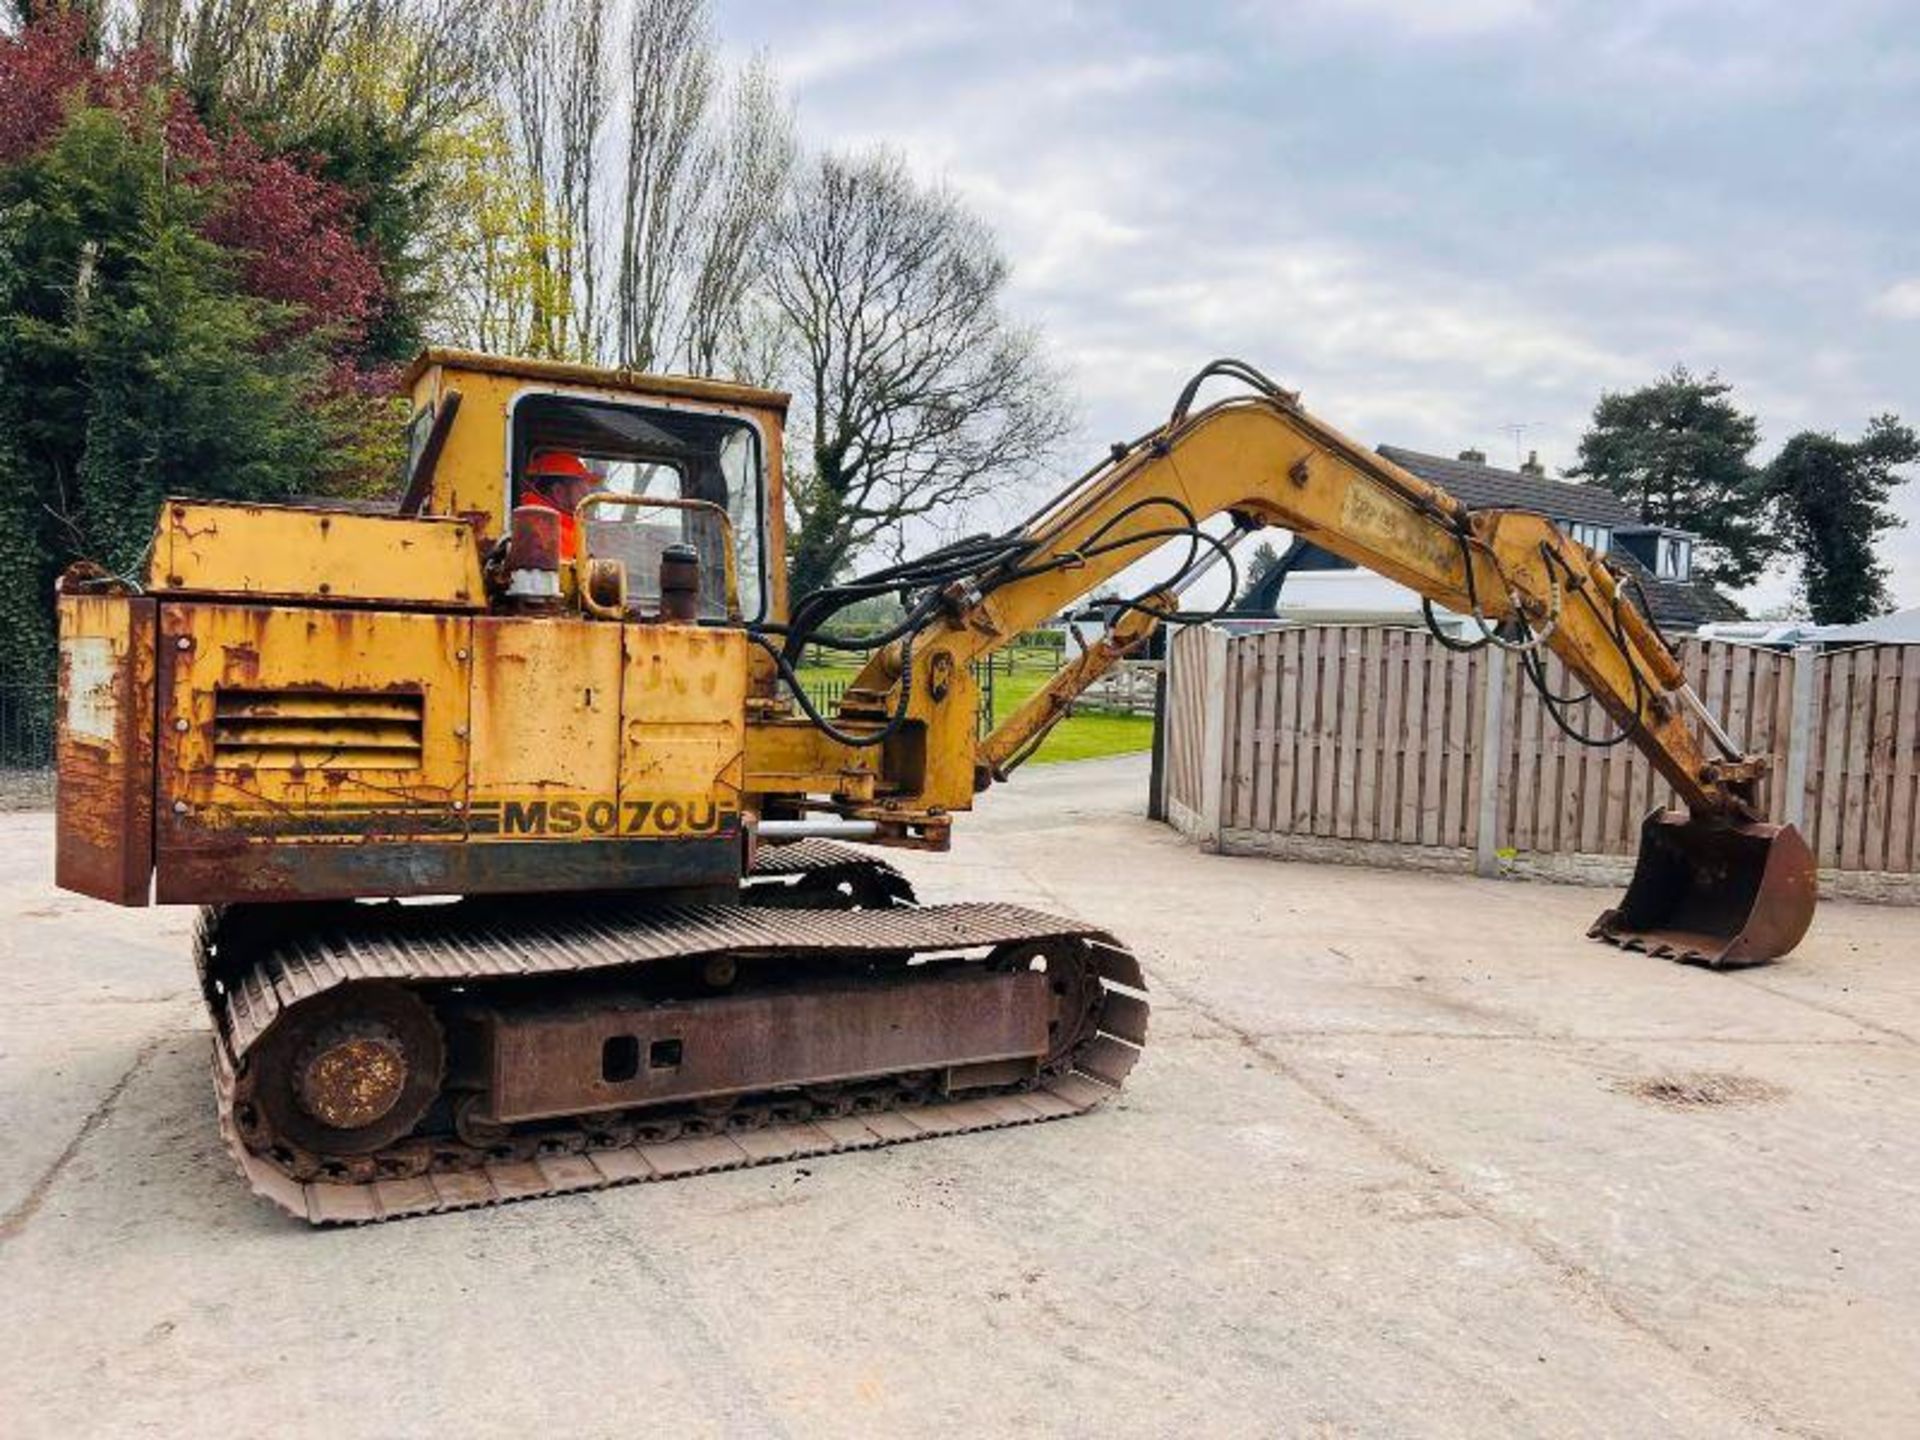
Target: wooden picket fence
[[1371, 737]]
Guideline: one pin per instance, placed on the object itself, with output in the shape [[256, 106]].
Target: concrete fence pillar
[[1213, 736], [1493, 701], [1791, 807]]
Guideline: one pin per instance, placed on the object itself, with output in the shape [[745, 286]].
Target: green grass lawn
[[1083, 736]]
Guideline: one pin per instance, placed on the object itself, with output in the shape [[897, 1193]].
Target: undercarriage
[[373, 1061]]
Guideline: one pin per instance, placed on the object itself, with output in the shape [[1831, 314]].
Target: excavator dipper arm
[[1714, 884]]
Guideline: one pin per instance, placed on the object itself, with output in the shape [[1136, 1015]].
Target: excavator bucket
[[1712, 892]]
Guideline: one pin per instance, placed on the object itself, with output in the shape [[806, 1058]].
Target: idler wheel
[[350, 1071], [1075, 987]]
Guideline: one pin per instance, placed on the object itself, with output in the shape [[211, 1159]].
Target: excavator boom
[[1715, 883]]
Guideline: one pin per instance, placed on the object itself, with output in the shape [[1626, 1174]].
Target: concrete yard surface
[[1406, 1155]]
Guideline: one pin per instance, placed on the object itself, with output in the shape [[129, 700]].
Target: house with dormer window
[[1312, 585]]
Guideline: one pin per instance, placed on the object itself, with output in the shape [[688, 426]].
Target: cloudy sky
[[1438, 218]]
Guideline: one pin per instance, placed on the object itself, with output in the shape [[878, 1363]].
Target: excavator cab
[[633, 453], [1714, 892]]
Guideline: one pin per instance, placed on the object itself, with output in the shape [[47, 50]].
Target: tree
[[363, 94], [484, 267], [554, 74], [646, 267], [158, 333], [1678, 451], [668, 166], [749, 173], [1831, 497], [916, 391], [1259, 565]]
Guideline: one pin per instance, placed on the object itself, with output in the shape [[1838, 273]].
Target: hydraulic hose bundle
[[1527, 643], [981, 564]]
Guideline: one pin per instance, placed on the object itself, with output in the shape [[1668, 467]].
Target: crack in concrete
[[1838, 1012], [1555, 1037], [21, 1215], [171, 998], [1569, 1270]]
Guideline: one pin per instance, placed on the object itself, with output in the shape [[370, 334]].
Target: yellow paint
[[683, 713], [274, 552], [791, 757], [292, 674], [373, 705], [546, 708], [472, 479], [1281, 466], [588, 730], [1372, 514]]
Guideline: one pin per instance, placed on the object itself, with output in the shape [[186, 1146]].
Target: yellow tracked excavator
[[526, 864]]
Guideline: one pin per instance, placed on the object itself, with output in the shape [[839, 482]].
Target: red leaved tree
[[290, 232]]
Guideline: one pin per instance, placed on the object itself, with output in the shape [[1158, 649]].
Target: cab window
[[657, 452], [418, 428]]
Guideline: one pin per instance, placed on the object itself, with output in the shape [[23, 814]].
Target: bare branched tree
[[668, 168], [750, 172], [646, 266], [582, 108], [918, 393], [554, 58], [478, 237], [420, 64]]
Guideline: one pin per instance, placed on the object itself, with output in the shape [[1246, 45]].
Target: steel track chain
[[419, 1176]]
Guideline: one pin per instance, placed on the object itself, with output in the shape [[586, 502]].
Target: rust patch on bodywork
[[104, 747]]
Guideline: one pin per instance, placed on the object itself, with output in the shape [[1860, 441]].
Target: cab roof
[[566, 372]]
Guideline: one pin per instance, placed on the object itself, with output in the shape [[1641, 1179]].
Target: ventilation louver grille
[[318, 730]]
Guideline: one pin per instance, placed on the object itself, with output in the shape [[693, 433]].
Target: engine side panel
[[683, 712], [308, 753], [279, 722]]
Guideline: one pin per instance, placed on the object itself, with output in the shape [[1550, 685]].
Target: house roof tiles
[[1487, 487], [1673, 604]]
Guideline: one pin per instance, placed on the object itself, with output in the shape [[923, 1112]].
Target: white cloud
[[1901, 300], [1434, 239], [831, 53], [1125, 75], [1445, 19]]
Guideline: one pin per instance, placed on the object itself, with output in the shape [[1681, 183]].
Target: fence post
[[1486, 857], [1213, 738], [1793, 804], [1157, 771]]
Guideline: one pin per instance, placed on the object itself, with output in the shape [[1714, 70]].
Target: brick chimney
[[1533, 465], [1477, 457]]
